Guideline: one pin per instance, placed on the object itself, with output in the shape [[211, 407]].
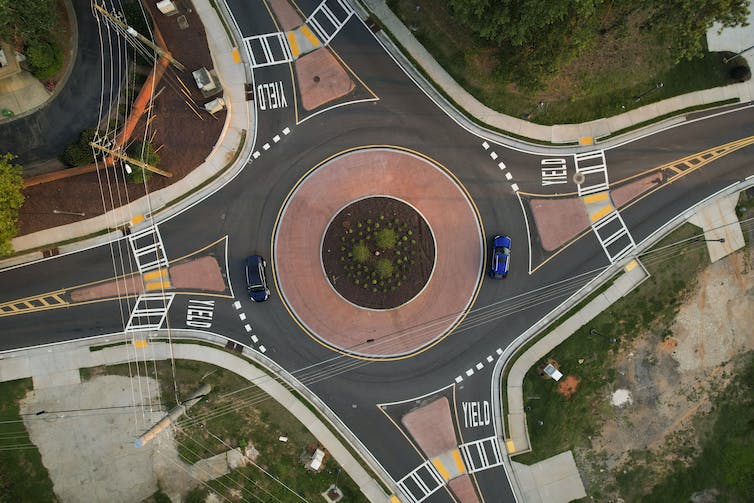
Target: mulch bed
[[184, 140], [362, 282]]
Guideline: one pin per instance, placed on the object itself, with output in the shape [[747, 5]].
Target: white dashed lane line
[[275, 139], [479, 366], [248, 328], [501, 165]]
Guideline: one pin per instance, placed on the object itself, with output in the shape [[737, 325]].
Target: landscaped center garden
[[378, 253]]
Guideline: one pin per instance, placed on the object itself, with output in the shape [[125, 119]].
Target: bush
[[361, 252], [80, 153], [144, 152], [385, 238], [384, 267], [45, 58], [740, 73]]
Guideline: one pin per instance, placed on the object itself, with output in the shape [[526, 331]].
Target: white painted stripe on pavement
[[485, 145], [262, 349], [479, 366], [501, 165], [459, 378], [493, 155], [286, 131], [242, 316], [489, 359], [470, 372], [514, 186], [276, 138], [256, 155], [508, 176], [247, 327], [266, 146], [237, 305], [254, 339]]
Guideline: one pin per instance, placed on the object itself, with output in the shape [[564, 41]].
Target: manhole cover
[[578, 178]]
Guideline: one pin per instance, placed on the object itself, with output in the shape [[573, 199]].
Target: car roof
[[502, 241]]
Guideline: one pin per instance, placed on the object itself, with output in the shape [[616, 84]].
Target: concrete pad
[[87, 455], [431, 426], [14, 368], [53, 379], [554, 480], [719, 221], [22, 92]]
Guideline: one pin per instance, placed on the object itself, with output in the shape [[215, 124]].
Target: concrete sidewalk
[[238, 126], [517, 439], [59, 365], [563, 133]]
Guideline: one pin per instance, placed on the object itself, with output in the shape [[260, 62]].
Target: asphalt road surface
[[246, 210]]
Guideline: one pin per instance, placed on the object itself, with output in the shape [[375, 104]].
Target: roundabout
[[378, 253]]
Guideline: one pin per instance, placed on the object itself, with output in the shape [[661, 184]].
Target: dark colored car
[[256, 280], [500, 257]]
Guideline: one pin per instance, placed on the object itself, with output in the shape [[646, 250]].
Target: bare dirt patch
[[673, 380], [568, 386]]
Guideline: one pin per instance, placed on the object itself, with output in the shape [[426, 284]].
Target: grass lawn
[[566, 424], [23, 477], [600, 83], [260, 423]]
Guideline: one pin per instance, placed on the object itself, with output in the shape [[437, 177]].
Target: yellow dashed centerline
[[440, 468], [294, 45], [593, 198], [459, 461], [602, 212], [309, 35]]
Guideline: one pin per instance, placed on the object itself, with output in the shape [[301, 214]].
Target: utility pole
[[174, 414], [139, 36], [131, 160]]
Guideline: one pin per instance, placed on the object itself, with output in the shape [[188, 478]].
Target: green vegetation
[[144, 152], [44, 58], [23, 477], [614, 56], [11, 200], [378, 254], [80, 153], [253, 419], [650, 308]]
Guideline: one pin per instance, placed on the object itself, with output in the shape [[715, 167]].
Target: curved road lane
[[246, 209]]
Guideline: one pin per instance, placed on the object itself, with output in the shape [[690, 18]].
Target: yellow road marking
[[459, 461], [677, 170], [601, 213], [309, 35], [160, 273], [586, 140], [510, 446], [394, 499], [157, 286], [140, 344], [593, 198], [631, 266], [441, 469], [137, 219], [57, 297], [294, 45], [236, 55]]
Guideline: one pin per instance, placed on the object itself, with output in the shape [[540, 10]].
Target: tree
[[145, 152], [11, 199], [683, 24], [45, 58], [26, 19], [535, 37], [80, 152]]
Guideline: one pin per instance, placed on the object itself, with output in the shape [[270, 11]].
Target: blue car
[[256, 280], [500, 257]]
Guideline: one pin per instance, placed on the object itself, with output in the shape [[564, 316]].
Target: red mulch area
[[412, 256], [183, 138]]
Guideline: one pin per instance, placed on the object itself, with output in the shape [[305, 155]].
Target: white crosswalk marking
[[268, 49], [328, 19], [614, 237], [148, 249], [593, 167], [482, 454], [149, 312], [419, 484]]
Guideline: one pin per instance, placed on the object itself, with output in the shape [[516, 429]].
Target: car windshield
[[256, 288]]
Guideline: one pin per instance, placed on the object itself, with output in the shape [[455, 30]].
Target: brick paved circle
[[308, 295]]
